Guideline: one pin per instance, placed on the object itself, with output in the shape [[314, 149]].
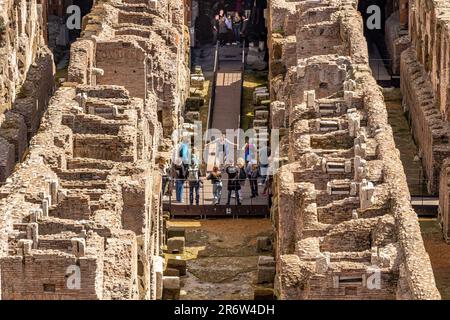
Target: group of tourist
[[236, 176], [186, 171], [232, 18]]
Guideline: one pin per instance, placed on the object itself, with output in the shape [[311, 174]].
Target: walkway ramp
[[226, 106], [227, 103]]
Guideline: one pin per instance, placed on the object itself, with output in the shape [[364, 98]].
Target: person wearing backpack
[[253, 177], [179, 175], [233, 183], [194, 182], [216, 179]]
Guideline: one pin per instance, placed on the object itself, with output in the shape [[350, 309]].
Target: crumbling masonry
[[344, 225], [26, 78], [81, 217], [425, 84]]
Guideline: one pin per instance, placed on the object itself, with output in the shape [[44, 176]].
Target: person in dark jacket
[[179, 175], [237, 26], [194, 182], [233, 183], [253, 177], [216, 179]]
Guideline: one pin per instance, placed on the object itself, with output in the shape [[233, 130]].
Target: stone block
[[263, 244], [261, 108], [178, 264], [176, 245], [171, 288], [176, 232], [170, 272], [194, 103], [192, 116], [266, 270], [263, 294], [259, 97], [198, 82], [259, 123]]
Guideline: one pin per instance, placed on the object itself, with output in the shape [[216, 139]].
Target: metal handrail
[[214, 84], [171, 184], [242, 82]]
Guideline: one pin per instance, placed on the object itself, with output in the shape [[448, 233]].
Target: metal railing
[[188, 204], [242, 82], [214, 84]]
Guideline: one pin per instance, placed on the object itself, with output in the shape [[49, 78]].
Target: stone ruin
[[81, 217], [344, 225], [425, 85], [26, 78]]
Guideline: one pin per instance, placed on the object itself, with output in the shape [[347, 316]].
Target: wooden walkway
[[225, 114], [227, 105], [249, 206], [226, 111]]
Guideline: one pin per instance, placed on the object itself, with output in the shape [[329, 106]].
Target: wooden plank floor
[[227, 106]]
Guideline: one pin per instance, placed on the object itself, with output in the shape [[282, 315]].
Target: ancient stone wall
[[81, 217], [344, 225], [141, 45], [26, 77], [426, 83]]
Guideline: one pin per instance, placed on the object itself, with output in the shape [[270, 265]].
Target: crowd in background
[[233, 18]]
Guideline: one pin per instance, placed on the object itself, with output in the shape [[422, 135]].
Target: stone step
[[87, 163], [83, 174], [78, 184]]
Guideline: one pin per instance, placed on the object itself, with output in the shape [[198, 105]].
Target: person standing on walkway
[[179, 175], [165, 174], [223, 30], [215, 26], [249, 150], [223, 146], [194, 182], [216, 179], [242, 177], [229, 25], [253, 177], [237, 25], [233, 183], [184, 151]]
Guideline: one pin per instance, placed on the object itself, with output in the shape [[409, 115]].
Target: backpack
[[193, 175]]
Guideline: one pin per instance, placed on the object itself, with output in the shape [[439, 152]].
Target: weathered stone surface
[[341, 204], [178, 264], [175, 245], [26, 73], [171, 288], [87, 197]]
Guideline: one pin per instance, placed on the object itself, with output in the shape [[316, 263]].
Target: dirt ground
[[439, 253], [221, 257]]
